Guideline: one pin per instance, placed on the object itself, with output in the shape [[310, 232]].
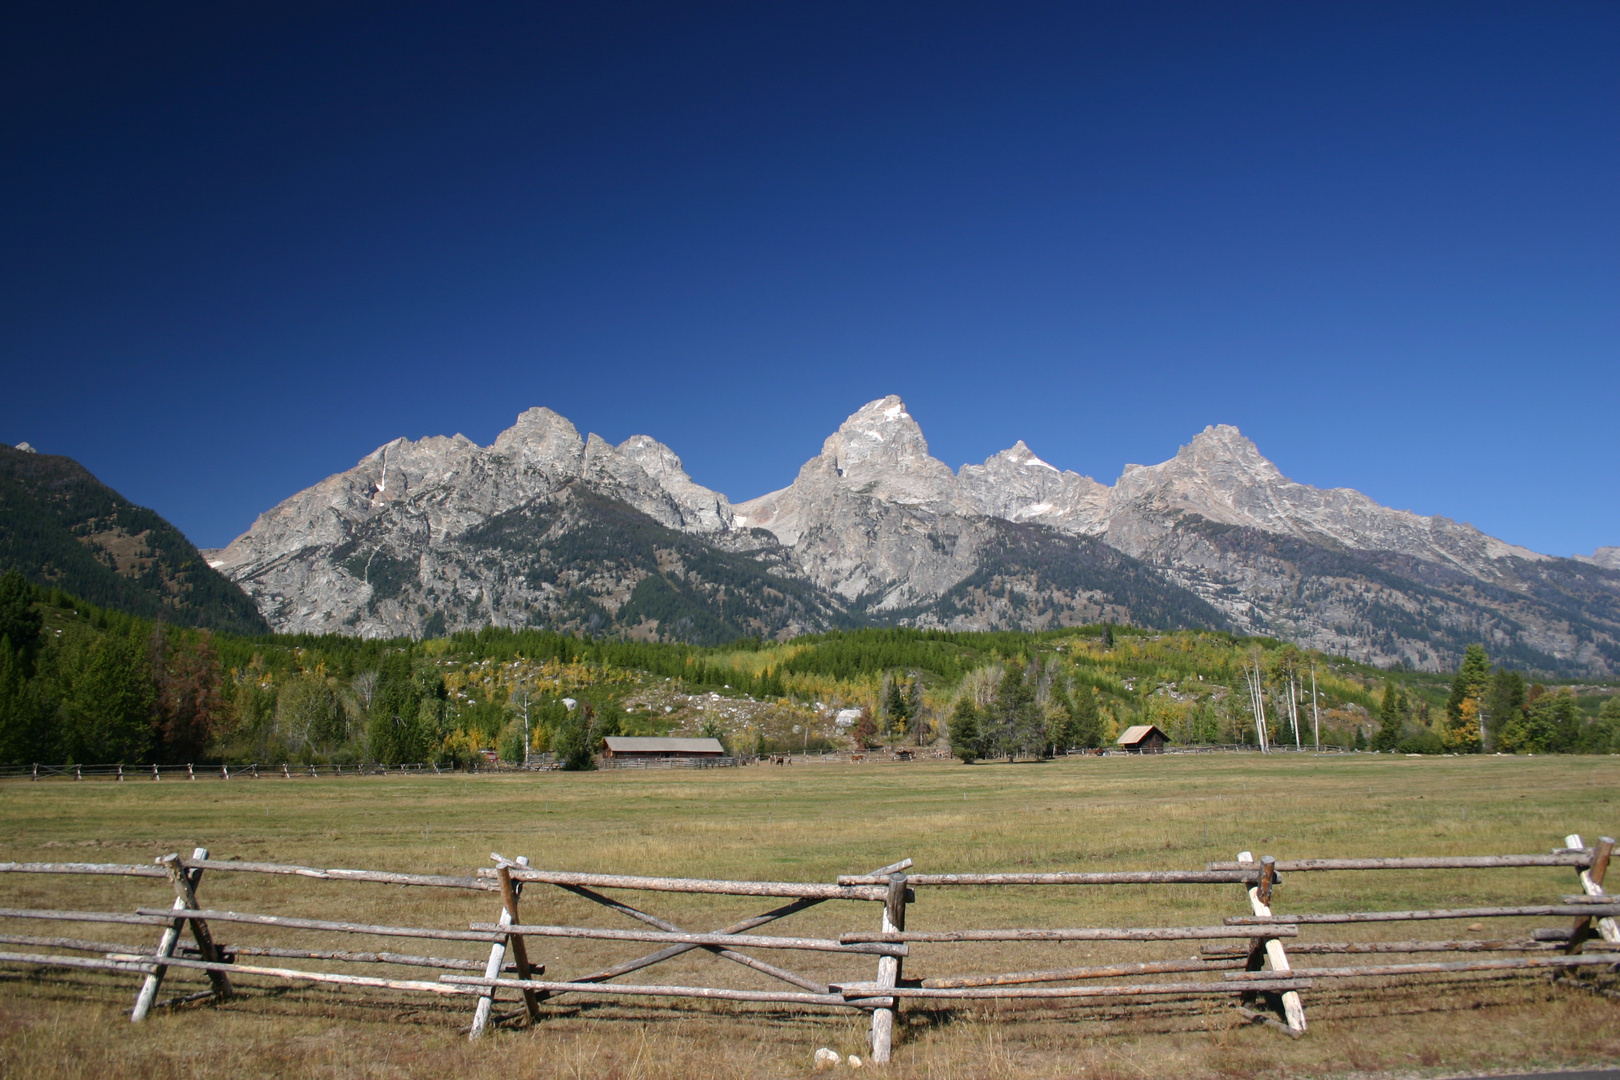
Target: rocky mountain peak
[[1219, 458], [700, 508], [1020, 456], [881, 442], [1224, 444], [1017, 485], [1606, 557], [545, 439]]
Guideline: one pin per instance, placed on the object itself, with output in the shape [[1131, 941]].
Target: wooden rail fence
[[1248, 957]]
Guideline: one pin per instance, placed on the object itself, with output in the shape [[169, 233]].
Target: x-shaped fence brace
[[185, 881], [1590, 941], [718, 942]]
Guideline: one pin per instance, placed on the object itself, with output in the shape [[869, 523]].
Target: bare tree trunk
[[1316, 717], [1254, 678]]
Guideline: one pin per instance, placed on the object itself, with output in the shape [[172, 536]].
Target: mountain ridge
[[880, 531], [60, 526]]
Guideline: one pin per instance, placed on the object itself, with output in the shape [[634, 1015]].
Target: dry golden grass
[[811, 823]]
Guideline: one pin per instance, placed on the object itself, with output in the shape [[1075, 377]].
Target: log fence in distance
[[1251, 957]]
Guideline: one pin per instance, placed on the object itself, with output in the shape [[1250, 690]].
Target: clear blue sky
[[246, 244]]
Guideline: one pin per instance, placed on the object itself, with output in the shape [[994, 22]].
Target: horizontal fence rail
[[1247, 957], [694, 885]]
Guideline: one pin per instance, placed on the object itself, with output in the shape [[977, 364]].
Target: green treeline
[[79, 683], [1494, 710]]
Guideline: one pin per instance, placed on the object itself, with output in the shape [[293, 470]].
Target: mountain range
[[548, 528]]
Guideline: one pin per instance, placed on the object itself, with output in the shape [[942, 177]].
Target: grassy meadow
[[812, 822]]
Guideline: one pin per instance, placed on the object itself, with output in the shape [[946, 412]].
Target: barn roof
[[1137, 733], [620, 744]]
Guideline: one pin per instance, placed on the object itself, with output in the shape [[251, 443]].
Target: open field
[[810, 823]]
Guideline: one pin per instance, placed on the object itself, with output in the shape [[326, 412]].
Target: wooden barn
[[1142, 739], [631, 746]]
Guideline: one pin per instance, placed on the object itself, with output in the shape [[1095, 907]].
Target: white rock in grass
[[826, 1059], [855, 1062]]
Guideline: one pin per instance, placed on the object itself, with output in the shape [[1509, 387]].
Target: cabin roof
[[620, 744], [1137, 733]]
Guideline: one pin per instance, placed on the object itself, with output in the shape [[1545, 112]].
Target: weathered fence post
[[185, 888], [1592, 884], [510, 893], [894, 921], [1293, 1007]]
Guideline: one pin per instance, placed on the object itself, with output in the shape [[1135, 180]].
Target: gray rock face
[[1015, 485], [546, 528], [1606, 557], [1221, 477], [876, 520], [872, 518], [378, 549]]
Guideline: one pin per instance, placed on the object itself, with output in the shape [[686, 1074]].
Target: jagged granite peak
[[540, 438], [701, 508], [878, 453], [1222, 476], [881, 450], [856, 511], [546, 527], [876, 521], [1018, 486], [313, 562]]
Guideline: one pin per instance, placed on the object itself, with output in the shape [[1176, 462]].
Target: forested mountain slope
[[60, 526]]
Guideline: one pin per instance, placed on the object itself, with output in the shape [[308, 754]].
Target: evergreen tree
[[109, 710], [18, 620], [896, 708], [1389, 719], [578, 737], [1504, 700], [1108, 634], [1538, 729], [25, 729], [964, 733], [1562, 716], [571, 742], [1472, 680], [1088, 724], [1015, 723], [394, 733]]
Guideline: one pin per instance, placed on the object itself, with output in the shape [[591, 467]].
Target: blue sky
[[247, 244]]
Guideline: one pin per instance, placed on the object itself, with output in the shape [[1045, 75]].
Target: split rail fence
[[1249, 957]]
